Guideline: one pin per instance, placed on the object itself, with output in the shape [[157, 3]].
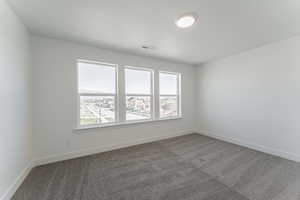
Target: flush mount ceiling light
[[186, 20]]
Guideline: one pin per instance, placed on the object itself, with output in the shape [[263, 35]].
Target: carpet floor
[[191, 167]]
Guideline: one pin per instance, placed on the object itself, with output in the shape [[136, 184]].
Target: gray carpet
[[191, 167]]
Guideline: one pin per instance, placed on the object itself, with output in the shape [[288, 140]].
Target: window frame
[[120, 96], [115, 95], [151, 95], [177, 95]]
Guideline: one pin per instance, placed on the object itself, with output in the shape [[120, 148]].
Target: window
[[139, 94], [97, 93], [108, 94], [169, 95]]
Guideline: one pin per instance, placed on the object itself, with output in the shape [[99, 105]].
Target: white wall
[[253, 98], [54, 63], [15, 115]]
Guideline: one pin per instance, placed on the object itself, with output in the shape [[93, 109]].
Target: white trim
[[117, 70], [138, 68], [110, 147], [179, 100], [156, 87], [95, 62], [121, 94], [169, 72], [8, 194], [257, 147], [77, 103], [126, 123]]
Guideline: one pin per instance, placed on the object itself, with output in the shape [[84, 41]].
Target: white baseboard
[[268, 150], [16, 184], [84, 152], [90, 151]]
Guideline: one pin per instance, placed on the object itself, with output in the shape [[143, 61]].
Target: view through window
[[169, 94], [104, 99], [97, 93], [138, 90]]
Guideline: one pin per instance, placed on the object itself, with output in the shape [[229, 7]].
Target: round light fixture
[[186, 20]]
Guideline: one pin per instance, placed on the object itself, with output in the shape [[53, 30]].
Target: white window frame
[[115, 95], [120, 96], [151, 95], [177, 95]]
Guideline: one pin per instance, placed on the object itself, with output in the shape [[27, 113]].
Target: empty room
[[150, 100]]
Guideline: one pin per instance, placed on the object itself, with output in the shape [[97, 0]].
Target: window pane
[[137, 81], [97, 109], [96, 78], [168, 107], [167, 84], [138, 108]]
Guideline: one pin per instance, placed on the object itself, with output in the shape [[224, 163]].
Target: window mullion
[[152, 103], [179, 103], [121, 95], [156, 97]]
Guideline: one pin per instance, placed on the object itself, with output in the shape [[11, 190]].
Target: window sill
[[126, 123]]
